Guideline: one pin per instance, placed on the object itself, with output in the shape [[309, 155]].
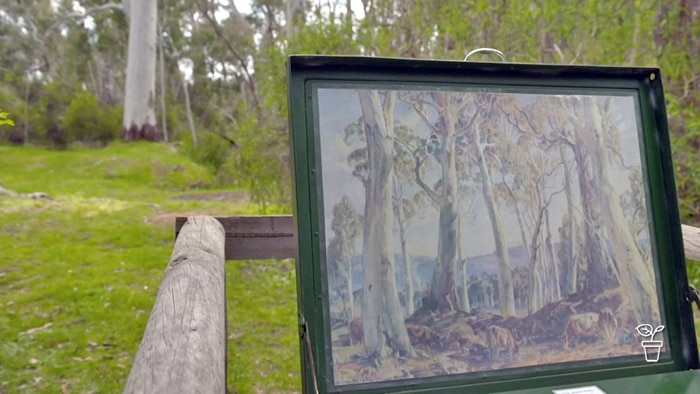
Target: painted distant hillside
[[484, 264], [424, 267]]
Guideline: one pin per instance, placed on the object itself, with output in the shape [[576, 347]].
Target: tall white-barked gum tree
[[139, 122]]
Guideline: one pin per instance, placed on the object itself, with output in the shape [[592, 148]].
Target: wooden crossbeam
[[273, 237], [256, 237]]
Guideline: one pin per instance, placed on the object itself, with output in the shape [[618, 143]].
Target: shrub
[[11, 104], [261, 164], [213, 151], [5, 119], [46, 112], [89, 122]]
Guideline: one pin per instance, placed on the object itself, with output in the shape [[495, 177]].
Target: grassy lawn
[[79, 271]]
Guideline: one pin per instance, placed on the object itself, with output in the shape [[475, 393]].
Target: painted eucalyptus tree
[[439, 112], [347, 226]]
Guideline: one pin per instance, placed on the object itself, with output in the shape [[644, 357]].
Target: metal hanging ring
[[488, 51]]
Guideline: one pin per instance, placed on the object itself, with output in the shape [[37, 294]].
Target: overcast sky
[[243, 6]]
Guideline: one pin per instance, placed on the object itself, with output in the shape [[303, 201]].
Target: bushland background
[[80, 265]]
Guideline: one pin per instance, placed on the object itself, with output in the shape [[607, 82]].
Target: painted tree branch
[[419, 180], [417, 170], [417, 106], [424, 117], [470, 124]]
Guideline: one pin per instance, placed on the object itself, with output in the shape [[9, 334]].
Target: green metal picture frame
[[491, 226]]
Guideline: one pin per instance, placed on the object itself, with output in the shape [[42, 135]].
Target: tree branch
[[416, 105], [424, 117], [419, 163], [250, 81], [419, 180], [88, 12], [470, 124]]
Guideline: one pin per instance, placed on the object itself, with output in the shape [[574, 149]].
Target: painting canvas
[[481, 230]]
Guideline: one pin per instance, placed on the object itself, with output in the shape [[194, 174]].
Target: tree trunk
[[635, 273], [382, 318], [443, 289], [505, 274], [544, 255], [570, 244], [348, 12], [25, 128], [351, 297], [534, 301], [553, 272], [465, 306], [188, 110], [139, 101], [161, 72], [536, 297], [587, 155], [410, 306], [295, 15]]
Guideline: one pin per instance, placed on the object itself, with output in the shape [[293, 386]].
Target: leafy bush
[[89, 122], [46, 111], [11, 104], [5, 119], [685, 127], [261, 164], [212, 150]]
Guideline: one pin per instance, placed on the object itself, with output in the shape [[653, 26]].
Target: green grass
[[79, 272]]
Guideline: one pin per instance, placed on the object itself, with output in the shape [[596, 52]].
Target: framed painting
[[485, 226]]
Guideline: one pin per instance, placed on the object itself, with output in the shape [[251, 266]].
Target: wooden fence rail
[[184, 347], [691, 242], [256, 237], [272, 237]]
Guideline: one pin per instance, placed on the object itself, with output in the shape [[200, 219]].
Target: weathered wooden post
[[184, 347], [691, 242]]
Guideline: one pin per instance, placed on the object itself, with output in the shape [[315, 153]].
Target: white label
[[580, 390]]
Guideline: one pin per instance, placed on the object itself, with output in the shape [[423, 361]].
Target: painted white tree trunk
[[410, 306], [139, 101], [571, 260], [505, 273], [348, 281], [382, 322], [635, 272]]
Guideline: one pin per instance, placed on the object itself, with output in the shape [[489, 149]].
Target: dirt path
[[237, 196]]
